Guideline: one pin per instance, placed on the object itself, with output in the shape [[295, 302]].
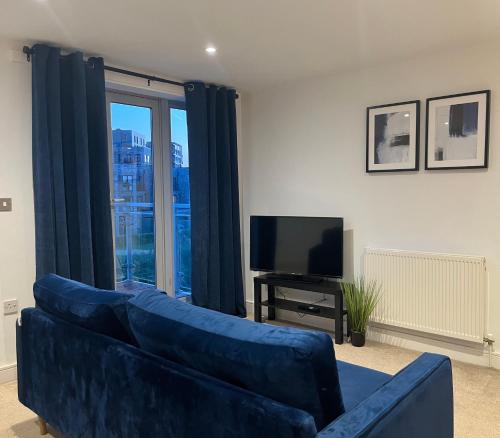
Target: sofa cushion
[[292, 366], [357, 383], [99, 310]]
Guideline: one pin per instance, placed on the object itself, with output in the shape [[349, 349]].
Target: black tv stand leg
[[271, 310], [257, 309], [339, 319]]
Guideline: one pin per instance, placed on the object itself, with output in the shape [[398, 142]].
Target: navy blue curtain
[[70, 168], [215, 219]]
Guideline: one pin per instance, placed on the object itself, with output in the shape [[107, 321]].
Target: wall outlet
[[10, 307]]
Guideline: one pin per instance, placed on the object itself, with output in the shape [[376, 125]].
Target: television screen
[[297, 245]]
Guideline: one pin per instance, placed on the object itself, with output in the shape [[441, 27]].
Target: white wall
[[304, 154], [17, 234]]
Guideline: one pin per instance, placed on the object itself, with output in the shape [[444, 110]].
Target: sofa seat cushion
[[99, 310], [357, 383], [292, 366]]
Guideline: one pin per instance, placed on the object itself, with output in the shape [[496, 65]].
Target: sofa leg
[[43, 426]]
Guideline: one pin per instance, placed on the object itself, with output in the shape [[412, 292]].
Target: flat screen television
[[305, 246]]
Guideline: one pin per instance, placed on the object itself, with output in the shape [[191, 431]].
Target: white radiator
[[441, 294]]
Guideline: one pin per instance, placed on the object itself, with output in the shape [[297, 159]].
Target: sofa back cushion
[[292, 366], [99, 310]]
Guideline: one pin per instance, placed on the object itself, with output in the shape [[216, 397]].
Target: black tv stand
[[295, 277], [297, 282]]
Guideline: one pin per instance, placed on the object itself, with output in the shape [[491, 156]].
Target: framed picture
[[457, 131], [392, 137]]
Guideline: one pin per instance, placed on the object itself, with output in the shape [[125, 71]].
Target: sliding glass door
[[149, 172]]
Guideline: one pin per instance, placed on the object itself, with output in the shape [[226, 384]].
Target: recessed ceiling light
[[407, 114], [211, 50]]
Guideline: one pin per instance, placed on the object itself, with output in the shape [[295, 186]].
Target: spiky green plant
[[360, 297]]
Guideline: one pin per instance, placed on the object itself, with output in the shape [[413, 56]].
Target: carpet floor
[[476, 392]]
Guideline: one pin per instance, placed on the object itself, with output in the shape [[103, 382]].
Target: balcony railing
[[182, 249], [135, 246]]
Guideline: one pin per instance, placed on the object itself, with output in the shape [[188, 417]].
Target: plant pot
[[357, 339]]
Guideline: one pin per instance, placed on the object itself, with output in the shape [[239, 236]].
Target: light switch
[[5, 204]]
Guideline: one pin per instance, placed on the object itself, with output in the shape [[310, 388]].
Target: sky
[[138, 119]]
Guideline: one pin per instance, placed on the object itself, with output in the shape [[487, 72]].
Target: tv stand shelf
[[324, 287], [301, 307]]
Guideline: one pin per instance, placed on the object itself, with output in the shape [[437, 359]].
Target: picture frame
[[457, 131], [393, 137]]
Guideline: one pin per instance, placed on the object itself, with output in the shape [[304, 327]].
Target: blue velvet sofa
[[96, 363]]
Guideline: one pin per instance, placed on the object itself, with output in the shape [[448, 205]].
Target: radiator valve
[[488, 339]]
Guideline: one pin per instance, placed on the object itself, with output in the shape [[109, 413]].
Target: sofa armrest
[[416, 402]]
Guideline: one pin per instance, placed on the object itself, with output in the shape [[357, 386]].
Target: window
[[127, 182], [151, 203]]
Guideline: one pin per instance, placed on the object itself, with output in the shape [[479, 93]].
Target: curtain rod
[[143, 76], [28, 52]]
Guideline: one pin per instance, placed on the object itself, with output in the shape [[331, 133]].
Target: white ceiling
[[260, 42]]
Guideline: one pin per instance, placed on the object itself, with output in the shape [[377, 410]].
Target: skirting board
[[463, 353], [8, 373], [417, 342]]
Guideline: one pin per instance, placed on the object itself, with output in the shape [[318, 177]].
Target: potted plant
[[360, 297]]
